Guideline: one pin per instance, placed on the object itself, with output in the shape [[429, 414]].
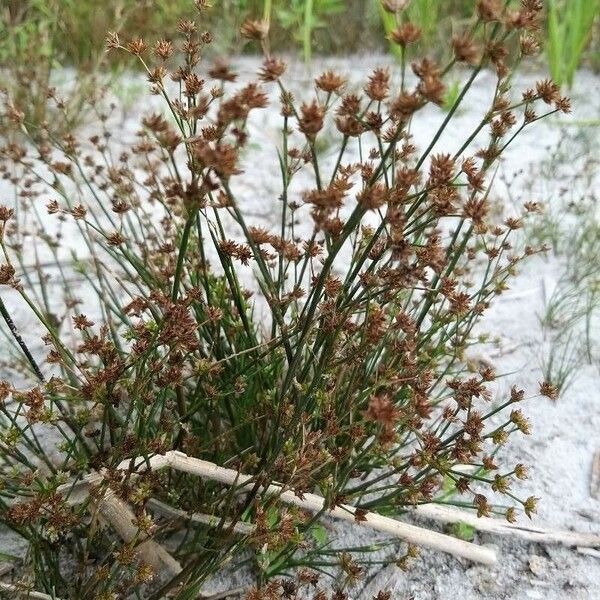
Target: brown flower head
[[406, 34], [465, 49], [406, 104], [5, 389], [549, 390], [378, 87], [272, 69], [522, 423], [137, 46], [382, 410], [489, 10], [254, 29], [530, 505], [373, 197], [529, 45], [112, 41], [548, 91], [330, 82], [311, 119], [221, 71], [223, 158], [7, 273], [6, 213], [483, 507], [163, 49]]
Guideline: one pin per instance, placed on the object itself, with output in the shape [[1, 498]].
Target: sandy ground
[[565, 433]]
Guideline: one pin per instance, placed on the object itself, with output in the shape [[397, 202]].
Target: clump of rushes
[[328, 359]]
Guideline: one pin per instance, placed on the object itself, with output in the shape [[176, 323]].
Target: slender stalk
[[185, 238], [21, 343]]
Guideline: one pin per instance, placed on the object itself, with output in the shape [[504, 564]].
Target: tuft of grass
[[570, 228], [304, 17], [570, 25]]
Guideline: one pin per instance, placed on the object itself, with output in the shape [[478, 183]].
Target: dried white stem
[[595, 481], [238, 591], [447, 514], [208, 520], [23, 592], [77, 492], [410, 533], [121, 518]]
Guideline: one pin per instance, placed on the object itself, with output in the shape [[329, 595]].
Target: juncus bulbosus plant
[[326, 354]]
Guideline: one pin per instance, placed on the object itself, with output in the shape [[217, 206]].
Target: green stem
[[267, 9], [185, 238], [307, 30]]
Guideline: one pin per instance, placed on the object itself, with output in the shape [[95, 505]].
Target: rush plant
[[323, 355]]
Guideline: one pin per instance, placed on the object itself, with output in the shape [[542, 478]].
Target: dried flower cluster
[[327, 354]]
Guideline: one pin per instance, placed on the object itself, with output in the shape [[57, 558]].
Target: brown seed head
[[378, 87], [373, 197], [382, 410], [137, 46], [330, 82], [529, 45], [406, 34], [522, 423], [511, 515], [563, 105], [489, 10], [483, 507], [163, 49], [406, 104], [311, 119], [530, 505], [6, 214], [222, 71], [548, 91], [272, 69], [465, 49], [187, 27], [7, 273], [112, 41], [5, 389], [254, 29], [549, 390], [521, 471]]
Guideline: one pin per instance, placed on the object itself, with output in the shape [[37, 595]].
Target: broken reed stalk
[[240, 528], [410, 533], [312, 502], [22, 592], [121, 517], [445, 514]]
